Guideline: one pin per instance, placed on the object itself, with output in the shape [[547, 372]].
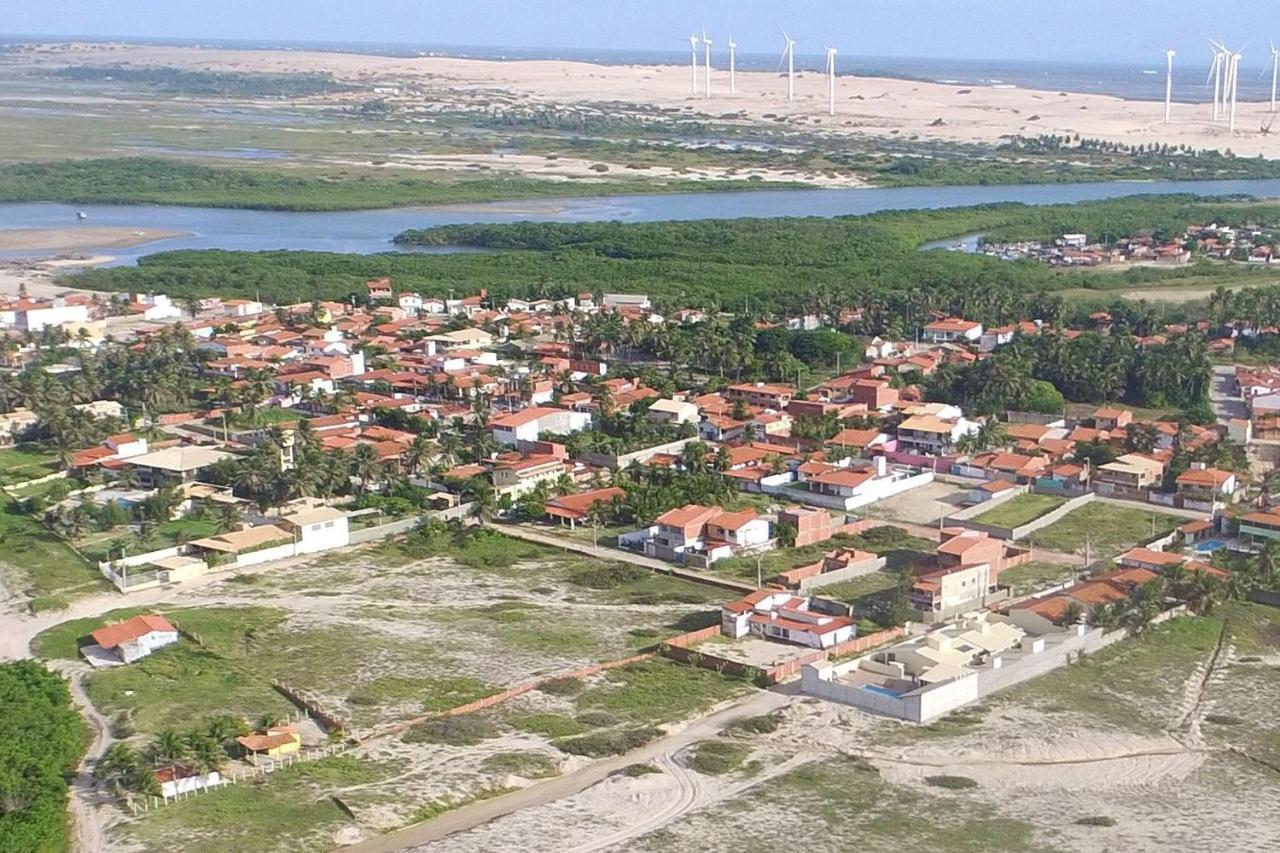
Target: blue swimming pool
[[1209, 545], [883, 691]]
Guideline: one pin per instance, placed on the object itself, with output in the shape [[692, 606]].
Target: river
[[366, 231]]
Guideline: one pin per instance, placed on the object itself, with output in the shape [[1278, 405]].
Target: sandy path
[[86, 801]]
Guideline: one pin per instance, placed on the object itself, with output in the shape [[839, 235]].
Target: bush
[[637, 770], [608, 576], [597, 719], [466, 730], [951, 783], [529, 765], [601, 744], [1222, 720], [550, 725], [761, 725], [717, 757], [1096, 820], [562, 686]]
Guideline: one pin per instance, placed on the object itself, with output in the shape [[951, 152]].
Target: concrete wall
[[966, 518], [856, 570], [265, 555], [880, 491], [642, 456], [918, 706]]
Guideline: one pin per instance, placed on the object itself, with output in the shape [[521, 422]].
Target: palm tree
[[483, 503], [365, 466], [418, 454], [207, 755], [169, 747], [117, 765]]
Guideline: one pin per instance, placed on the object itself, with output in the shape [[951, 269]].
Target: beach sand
[[868, 106], [78, 239]]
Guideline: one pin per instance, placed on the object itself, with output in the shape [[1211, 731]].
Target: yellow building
[[273, 743]]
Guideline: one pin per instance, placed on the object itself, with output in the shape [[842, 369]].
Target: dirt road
[[476, 814]]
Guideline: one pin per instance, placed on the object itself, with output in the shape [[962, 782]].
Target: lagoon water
[[367, 231]]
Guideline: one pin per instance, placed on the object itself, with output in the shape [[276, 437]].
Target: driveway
[[1225, 405]]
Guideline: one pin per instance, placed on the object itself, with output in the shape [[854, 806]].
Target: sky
[[1085, 30]]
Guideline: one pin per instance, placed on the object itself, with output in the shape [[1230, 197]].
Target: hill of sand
[[865, 105]]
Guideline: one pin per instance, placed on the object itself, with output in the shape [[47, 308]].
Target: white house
[[135, 638], [779, 615], [528, 424], [180, 780], [952, 329], [410, 302], [35, 316], [318, 529], [667, 411], [707, 533]]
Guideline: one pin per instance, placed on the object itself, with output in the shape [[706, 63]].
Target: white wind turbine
[[1233, 71], [1275, 74], [831, 81], [1215, 76], [706, 58], [1168, 84], [733, 84], [693, 62], [789, 54]]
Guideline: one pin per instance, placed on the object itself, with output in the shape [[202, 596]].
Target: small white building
[[528, 424], [318, 529], [135, 638], [667, 411]]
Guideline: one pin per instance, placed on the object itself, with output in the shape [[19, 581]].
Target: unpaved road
[[476, 814]]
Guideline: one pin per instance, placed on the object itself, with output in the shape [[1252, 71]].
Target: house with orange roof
[[834, 567], [701, 535], [271, 742], [772, 396], [132, 639], [1203, 487], [780, 615], [530, 423], [952, 329], [576, 509], [517, 476]]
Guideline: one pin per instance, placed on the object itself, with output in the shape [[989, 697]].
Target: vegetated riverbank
[[147, 180], [778, 265]]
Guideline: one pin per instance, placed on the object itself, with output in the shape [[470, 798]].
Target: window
[[328, 524]]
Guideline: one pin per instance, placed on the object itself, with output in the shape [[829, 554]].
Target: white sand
[[79, 239], [872, 106]]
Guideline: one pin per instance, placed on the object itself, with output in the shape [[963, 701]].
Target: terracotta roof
[[131, 629]]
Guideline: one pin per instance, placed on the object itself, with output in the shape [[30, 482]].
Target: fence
[[311, 707], [500, 697], [148, 803]]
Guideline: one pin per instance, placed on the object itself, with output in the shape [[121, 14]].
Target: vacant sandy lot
[[924, 505], [875, 106]]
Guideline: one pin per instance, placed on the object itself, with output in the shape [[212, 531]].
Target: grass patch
[[465, 730], [898, 547], [43, 565], [550, 725], [1110, 529], [1035, 576], [1020, 510], [528, 765], [637, 770], [294, 807], [718, 757], [26, 462], [165, 535], [615, 742], [660, 690], [951, 783]]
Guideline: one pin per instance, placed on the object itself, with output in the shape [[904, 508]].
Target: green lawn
[[292, 809], [26, 462], [40, 563], [1110, 529], [104, 547], [659, 691], [1019, 510], [899, 548], [1035, 576]]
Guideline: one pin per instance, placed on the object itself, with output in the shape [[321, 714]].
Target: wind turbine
[[706, 48], [789, 54], [1275, 74], [1234, 76], [1168, 84], [1215, 76], [733, 84], [693, 62], [831, 81]]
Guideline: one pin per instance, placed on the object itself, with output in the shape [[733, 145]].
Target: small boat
[[82, 215]]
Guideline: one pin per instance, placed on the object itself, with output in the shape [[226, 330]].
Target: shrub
[[549, 725], [596, 719], [601, 744], [1222, 719], [761, 725], [529, 765], [636, 770], [1096, 820], [951, 783], [562, 686], [608, 576], [717, 757], [466, 730]]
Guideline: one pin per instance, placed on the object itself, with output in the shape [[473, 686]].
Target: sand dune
[[78, 239], [865, 105]]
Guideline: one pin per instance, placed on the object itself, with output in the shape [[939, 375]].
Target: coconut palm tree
[[169, 747]]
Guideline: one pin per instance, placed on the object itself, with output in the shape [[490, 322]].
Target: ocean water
[[1142, 80]]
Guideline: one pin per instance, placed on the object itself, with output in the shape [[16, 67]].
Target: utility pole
[[759, 572]]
